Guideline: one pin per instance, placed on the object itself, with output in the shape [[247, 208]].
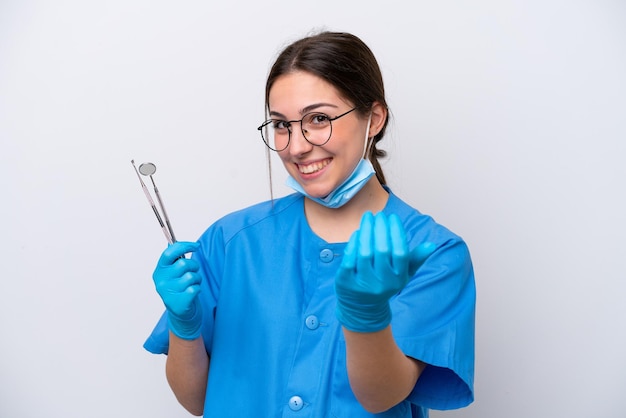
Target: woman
[[338, 300]]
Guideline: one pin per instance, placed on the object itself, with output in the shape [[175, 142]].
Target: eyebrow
[[305, 110]]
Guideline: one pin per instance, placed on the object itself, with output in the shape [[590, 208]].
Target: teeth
[[312, 168]]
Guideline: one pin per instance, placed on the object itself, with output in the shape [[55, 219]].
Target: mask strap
[[366, 147]]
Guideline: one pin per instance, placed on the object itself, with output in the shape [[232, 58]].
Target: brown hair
[[347, 63]]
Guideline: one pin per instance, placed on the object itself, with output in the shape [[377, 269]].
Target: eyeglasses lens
[[316, 128]]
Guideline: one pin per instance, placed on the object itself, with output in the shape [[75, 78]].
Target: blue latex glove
[[377, 264], [177, 281]]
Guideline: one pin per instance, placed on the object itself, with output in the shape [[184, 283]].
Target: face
[[318, 169]]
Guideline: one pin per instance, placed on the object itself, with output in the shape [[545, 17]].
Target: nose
[[298, 144]]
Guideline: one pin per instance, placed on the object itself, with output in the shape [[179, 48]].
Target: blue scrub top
[[276, 347]]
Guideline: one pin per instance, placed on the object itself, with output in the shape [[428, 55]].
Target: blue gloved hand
[[377, 264], [177, 281]]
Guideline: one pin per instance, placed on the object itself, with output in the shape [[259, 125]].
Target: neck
[[336, 225]]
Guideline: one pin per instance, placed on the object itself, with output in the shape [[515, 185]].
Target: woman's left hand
[[377, 264]]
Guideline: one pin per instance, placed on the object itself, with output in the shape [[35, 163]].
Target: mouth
[[314, 166]]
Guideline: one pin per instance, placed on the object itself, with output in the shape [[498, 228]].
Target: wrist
[[187, 327], [364, 317]]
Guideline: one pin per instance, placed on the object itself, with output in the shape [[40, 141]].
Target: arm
[[187, 370], [376, 265], [177, 280], [381, 376]]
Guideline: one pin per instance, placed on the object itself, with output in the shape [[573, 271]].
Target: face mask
[[350, 187]]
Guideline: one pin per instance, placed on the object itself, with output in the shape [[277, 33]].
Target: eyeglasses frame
[[290, 122]]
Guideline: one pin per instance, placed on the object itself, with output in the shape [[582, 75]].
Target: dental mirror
[[147, 169]]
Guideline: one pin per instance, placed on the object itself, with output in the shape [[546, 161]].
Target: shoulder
[[270, 212], [419, 226]]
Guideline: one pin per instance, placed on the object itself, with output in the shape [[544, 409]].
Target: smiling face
[[318, 169]]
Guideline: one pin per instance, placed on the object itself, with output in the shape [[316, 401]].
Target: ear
[[379, 117]]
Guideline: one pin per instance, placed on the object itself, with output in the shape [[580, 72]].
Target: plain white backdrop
[[509, 127]]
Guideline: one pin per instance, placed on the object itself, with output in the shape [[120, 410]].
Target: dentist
[[339, 300]]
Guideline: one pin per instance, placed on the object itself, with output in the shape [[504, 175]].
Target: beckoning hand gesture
[[377, 264]]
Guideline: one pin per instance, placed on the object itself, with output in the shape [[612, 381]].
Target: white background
[[509, 127]]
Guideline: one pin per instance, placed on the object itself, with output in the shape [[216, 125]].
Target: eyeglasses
[[316, 128]]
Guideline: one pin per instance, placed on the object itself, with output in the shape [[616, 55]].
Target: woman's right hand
[[177, 280]]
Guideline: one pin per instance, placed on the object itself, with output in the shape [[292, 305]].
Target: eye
[[280, 125], [318, 120]]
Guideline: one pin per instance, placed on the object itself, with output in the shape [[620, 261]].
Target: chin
[[318, 193]]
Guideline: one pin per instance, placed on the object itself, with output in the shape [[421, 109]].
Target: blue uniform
[[276, 347]]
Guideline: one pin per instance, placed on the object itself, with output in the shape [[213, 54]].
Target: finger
[[346, 271], [399, 247], [419, 255], [365, 247], [177, 250], [172, 272], [192, 291], [188, 296], [381, 242], [183, 265], [349, 254], [182, 283], [185, 301]]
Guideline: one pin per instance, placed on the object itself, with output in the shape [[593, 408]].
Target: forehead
[[295, 91]]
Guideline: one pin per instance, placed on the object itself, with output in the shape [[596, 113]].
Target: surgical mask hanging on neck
[[350, 186]]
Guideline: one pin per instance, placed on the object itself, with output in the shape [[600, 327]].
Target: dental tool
[[148, 170]]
